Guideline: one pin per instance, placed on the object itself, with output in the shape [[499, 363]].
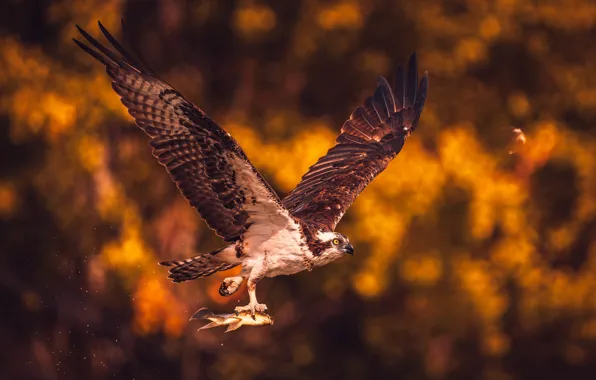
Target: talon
[[223, 289], [245, 309], [239, 309], [252, 309], [261, 308]]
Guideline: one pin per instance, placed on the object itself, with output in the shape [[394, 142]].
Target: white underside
[[279, 254], [283, 253], [273, 245]]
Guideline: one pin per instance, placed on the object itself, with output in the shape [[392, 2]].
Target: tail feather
[[202, 265]]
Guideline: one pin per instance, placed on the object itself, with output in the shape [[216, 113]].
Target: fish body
[[233, 320]]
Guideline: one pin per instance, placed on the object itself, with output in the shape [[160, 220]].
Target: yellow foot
[[251, 308]]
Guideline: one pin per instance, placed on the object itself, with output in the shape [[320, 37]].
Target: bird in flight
[[265, 235]]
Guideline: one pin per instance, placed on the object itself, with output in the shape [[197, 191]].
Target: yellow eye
[[335, 241]]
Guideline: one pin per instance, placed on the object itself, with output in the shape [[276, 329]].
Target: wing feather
[[205, 162], [373, 135]]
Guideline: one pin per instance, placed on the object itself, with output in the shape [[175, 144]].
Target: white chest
[[284, 253]]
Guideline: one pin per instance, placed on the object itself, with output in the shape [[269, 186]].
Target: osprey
[[265, 235]]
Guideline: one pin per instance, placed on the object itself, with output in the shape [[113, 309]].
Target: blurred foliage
[[471, 263]]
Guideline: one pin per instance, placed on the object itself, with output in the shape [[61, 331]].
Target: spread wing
[[369, 140], [205, 162]]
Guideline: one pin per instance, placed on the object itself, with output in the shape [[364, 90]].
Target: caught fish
[[233, 320]]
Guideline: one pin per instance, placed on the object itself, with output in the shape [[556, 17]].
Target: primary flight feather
[[267, 236]]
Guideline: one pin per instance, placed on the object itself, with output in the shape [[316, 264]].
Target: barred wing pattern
[[369, 140], [205, 162]]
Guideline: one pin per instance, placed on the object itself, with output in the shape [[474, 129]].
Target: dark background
[[471, 262]]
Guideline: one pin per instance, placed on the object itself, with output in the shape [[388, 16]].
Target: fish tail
[[209, 326], [203, 313]]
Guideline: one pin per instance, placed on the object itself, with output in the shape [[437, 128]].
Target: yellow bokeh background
[[475, 255]]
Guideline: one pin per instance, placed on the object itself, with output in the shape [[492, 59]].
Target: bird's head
[[334, 244]]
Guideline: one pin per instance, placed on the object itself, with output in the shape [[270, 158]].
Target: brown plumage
[[369, 140], [266, 236], [197, 153]]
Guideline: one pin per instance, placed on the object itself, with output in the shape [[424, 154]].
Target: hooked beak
[[349, 249]]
